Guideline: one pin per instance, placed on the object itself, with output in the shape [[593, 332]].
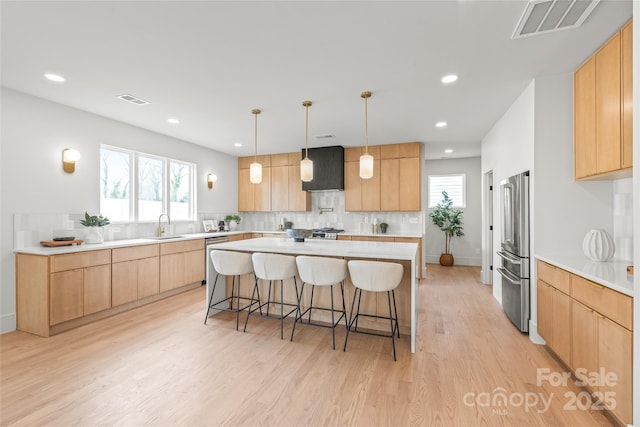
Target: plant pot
[[94, 235], [233, 225], [446, 260]]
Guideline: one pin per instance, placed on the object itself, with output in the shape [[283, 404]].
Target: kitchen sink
[[165, 237]]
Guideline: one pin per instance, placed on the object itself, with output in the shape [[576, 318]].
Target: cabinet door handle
[[594, 284], [598, 314]]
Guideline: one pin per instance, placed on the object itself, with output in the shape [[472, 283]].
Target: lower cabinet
[[59, 292], [590, 330], [554, 320], [615, 358], [181, 263], [79, 291]]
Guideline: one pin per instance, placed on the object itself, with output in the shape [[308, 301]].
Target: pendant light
[[366, 160], [255, 169], [306, 164]]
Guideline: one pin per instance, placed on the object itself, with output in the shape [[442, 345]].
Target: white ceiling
[[209, 63]]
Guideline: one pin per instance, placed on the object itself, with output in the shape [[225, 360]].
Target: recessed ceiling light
[[54, 78], [237, 144], [450, 78], [441, 124], [448, 151], [173, 121]]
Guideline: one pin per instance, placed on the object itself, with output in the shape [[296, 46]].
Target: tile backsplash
[[30, 229], [327, 210], [623, 218]]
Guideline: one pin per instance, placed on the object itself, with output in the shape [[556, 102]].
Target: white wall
[[565, 209], [466, 249], [34, 133], [508, 150]]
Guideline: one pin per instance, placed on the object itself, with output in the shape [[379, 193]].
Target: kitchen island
[[404, 253]]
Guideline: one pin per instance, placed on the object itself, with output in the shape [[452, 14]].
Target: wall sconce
[[211, 178], [69, 159]]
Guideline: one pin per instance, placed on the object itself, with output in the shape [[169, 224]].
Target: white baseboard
[[533, 334], [7, 323], [477, 262]]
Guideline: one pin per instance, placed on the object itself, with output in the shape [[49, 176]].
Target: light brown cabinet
[[599, 344], [281, 187], [79, 285], [254, 197], [554, 319], [135, 273], [181, 263], [396, 182], [59, 292], [602, 111]]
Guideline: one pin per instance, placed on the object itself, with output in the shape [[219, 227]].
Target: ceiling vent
[[546, 16], [133, 99]]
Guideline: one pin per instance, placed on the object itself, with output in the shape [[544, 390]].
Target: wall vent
[[132, 99], [546, 16], [324, 136]]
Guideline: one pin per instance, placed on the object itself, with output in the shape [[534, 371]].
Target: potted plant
[[288, 225], [383, 227], [233, 221], [95, 224], [449, 220]]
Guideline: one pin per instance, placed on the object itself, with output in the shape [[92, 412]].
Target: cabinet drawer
[[554, 276], [80, 260], [134, 252], [614, 305], [183, 246]]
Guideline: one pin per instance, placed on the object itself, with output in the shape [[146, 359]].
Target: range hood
[[328, 168]]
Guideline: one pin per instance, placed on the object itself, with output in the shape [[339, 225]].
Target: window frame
[[449, 175], [134, 184]]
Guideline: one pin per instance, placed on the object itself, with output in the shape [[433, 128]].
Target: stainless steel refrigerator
[[514, 253]]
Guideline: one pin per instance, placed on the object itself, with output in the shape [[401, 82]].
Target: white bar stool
[[235, 264], [321, 271], [275, 267], [375, 276]]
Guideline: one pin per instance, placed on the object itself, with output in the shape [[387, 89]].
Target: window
[[453, 184], [139, 187]]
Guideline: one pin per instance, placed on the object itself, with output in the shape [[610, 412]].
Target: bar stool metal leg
[[211, 298], [393, 332]]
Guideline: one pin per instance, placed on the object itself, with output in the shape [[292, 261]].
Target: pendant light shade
[[366, 160], [366, 166], [306, 164], [255, 169], [255, 173]]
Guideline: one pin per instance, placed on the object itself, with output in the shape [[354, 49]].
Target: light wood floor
[[159, 365]]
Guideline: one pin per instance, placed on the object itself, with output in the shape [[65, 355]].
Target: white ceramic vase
[[598, 245], [94, 235], [233, 225]]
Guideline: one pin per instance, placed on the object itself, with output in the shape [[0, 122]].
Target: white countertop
[[46, 251], [612, 274], [320, 247]]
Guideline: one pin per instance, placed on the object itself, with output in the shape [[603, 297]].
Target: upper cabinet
[[396, 181], [280, 189], [395, 185], [254, 197], [603, 110]]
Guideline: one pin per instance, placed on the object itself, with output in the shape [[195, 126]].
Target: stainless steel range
[[514, 193], [326, 233]]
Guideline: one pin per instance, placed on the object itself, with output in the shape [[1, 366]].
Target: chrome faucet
[[160, 228]]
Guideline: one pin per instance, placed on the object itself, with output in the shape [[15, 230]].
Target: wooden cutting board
[[54, 244]]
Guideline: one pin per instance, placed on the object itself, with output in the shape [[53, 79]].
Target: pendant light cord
[[366, 96], [306, 137], [255, 112]]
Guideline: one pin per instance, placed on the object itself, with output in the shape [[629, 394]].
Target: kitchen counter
[[41, 250], [341, 249], [612, 274], [46, 251]]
